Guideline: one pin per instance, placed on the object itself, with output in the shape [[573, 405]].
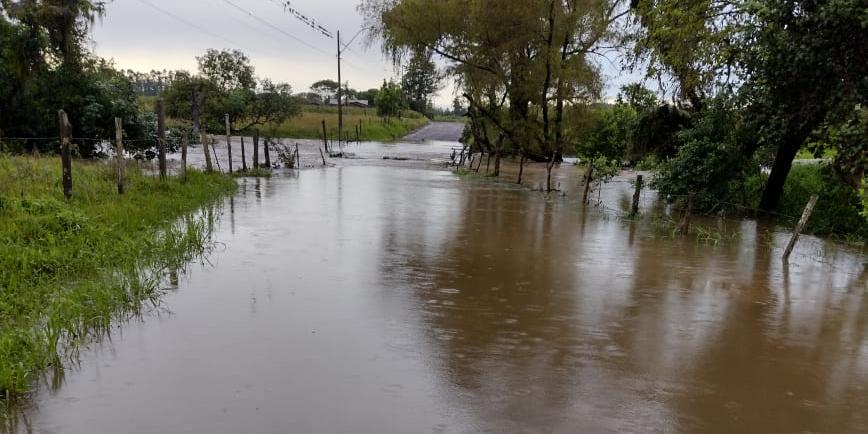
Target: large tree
[[420, 81]]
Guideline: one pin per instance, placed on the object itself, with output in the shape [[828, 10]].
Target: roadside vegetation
[[70, 269], [308, 125], [743, 88]]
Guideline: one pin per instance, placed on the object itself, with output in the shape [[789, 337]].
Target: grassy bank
[[309, 124], [70, 268], [838, 209]]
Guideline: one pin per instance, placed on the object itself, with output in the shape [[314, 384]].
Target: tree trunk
[[497, 163], [520, 168], [778, 176], [549, 166]]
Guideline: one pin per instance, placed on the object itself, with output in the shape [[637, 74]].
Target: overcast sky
[[169, 34]]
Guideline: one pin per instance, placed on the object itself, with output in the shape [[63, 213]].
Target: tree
[[389, 100], [227, 69], [327, 89], [420, 81], [271, 104], [804, 66], [369, 95]]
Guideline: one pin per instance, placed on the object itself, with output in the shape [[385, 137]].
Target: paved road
[[438, 131]]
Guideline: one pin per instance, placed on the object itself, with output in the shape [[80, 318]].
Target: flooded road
[[374, 299]]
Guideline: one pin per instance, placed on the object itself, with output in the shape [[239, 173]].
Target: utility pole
[[340, 94]]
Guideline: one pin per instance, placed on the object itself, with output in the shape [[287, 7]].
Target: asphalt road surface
[[437, 131]]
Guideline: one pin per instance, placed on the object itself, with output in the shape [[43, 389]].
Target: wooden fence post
[[185, 142], [806, 215], [203, 137], [322, 156], [161, 137], [229, 141], [636, 195], [119, 153], [65, 153], [684, 226], [256, 148], [325, 138], [297, 157], [267, 154], [243, 155], [589, 177]]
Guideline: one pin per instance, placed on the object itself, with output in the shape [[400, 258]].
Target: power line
[[189, 23], [272, 26], [310, 22]]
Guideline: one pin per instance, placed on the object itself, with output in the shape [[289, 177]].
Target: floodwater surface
[[375, 299]]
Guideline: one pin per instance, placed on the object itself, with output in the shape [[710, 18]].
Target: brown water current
[[369, 298]]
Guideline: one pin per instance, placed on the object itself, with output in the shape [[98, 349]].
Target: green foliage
[[610, 135], [326, 89], [838, 210], [389, 100], [420, 81], [709, 156], [70, 268], [227, 69]]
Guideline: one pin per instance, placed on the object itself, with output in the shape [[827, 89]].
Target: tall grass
[[68, 269], [309, 124]]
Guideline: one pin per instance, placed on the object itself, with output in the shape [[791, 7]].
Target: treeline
[[745, 85]]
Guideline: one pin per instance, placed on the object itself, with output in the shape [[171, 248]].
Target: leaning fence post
[[161, 137], [229, 141], [809, 209], [322, 156], [636, 195], [297, 157], [65, 155], [119, 153], [684, 226]]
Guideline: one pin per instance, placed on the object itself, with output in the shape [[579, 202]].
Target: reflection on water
[[377, 299]]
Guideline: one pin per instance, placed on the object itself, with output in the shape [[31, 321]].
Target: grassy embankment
[[308, 125], [374, 128], [68, 269]]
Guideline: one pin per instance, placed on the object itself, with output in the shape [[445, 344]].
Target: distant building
[[351, 102]]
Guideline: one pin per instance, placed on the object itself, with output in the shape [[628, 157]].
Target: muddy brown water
[[376, 298]]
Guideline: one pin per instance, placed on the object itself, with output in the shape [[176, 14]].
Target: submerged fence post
[[297, 157], [325, 138], [267, 154], [185, 142], [589, 176], [806, 215], [65, 153], [229, 141], [119, 153], [323, 157], [243, 155], [684, 226], [256, 148], [636, 195]]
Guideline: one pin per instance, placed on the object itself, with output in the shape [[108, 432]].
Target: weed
[[68, 269]]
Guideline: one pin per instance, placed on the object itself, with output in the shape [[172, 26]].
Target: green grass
[[68, 269], [309, 124], [253, 172]]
